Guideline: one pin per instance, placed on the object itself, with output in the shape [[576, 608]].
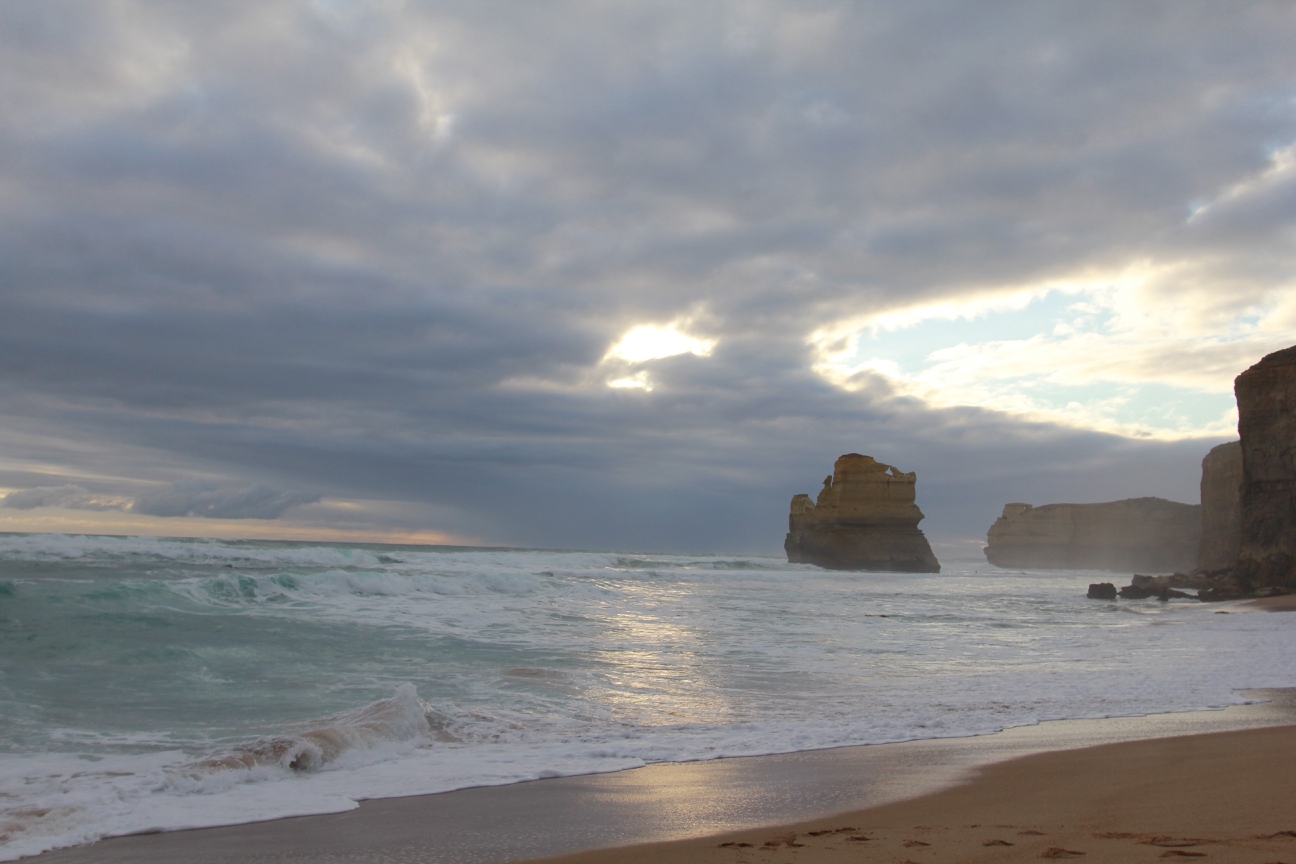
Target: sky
[[627, 275]]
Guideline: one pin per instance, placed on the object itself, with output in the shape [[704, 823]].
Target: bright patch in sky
[[1147, 353], [650, 342]]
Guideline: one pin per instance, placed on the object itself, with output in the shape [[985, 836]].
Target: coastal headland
[[1138, 534], [1118, 789]]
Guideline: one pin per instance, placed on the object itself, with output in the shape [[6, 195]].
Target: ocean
[[151, 683]]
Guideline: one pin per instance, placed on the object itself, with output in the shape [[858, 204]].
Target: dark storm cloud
[[378, 251]]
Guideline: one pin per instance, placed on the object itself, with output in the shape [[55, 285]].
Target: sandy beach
[[1282, 603], [1225, 797], [1218, 776]]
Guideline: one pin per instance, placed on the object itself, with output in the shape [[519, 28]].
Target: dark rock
[[1221, 501], [1174, 580], [1102, 591], [865, 518], [1142, 592], [1266, 399]]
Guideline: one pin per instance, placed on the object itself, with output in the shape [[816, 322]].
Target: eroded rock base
[[863, 548]]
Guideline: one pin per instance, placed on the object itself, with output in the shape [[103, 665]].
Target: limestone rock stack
[[1137, 534], [1221, 501], [864, 518], [1266, 399]]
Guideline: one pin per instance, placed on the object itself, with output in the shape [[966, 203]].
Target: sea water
[[153, 683]]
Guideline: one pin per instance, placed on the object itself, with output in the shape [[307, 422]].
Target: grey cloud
[[182, 498], [68, 496], [207, 498], [251, 252]]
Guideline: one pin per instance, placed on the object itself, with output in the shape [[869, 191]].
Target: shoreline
[[618, 813], [1281, 603], [1222, 796]]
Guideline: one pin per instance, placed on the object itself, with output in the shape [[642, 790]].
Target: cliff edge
[[1266, 399], [864, 518], [1137, 534], [1221, 499]]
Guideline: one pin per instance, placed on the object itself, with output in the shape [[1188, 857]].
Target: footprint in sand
[[913, 843], [1059, 852], [997, 843], [1173, 842], [1179, 853]]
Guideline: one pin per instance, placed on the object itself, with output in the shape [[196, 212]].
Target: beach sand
[[1172, 775], [1283, 603], [1225, 797]]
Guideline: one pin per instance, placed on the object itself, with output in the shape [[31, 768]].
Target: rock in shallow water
[[1102, 591], [865, 518]]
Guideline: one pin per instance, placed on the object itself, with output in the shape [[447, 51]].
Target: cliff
[[1134, 534], [1266, 399], [865, 518], [1221, 500]]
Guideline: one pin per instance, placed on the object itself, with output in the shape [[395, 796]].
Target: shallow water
[[152, 683]]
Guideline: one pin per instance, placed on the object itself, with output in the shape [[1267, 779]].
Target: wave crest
[[311, 746]]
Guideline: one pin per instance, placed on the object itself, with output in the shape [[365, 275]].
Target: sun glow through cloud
[[650, 342], [1147, 352], [646, 342]]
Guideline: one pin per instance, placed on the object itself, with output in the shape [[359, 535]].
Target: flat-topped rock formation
[[1221, 500], [865, 518], [1147, 534], [1266, 399]]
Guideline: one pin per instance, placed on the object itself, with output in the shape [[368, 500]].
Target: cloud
[[208, 499], [651, 342], [1148, 351], [69, 497], [182, 498], [393, 253]]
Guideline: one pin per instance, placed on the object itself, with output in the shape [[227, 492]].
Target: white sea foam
[[204, 662]]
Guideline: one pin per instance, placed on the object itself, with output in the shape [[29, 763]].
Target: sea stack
[[1137, 534], [865, 518], [1221, 501], [1266, 400]]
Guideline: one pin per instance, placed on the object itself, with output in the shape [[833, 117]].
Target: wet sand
[[1284, 603], [1057, 789], [1225, 797]]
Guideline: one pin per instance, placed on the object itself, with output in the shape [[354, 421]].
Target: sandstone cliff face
[[1134, 534], [1266, 398], [865, 518], [1221, 500]]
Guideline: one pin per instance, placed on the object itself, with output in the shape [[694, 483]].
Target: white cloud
[[637, 381], [1147, 351]]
